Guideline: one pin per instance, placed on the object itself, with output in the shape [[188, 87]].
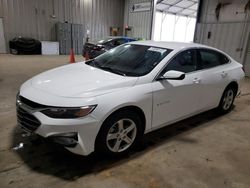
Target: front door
[[177, 99]]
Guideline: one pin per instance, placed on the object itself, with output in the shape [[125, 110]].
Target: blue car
[[92, 50]]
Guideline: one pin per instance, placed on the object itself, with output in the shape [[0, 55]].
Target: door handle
[[196, 80], [223, 74]]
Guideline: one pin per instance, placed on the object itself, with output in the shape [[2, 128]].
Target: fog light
[[65, 139]]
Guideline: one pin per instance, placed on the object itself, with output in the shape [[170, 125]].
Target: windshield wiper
[[109, 69], [112, 70]]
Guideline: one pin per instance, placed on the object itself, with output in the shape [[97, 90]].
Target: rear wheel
[[227, 100], [119, 133]]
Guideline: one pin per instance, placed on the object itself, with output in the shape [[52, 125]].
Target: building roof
[[178, 7]]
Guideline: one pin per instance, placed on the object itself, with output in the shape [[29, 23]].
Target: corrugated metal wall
[[229, 37], [34, 18], [139, 21], [247, 59], [229, 32]]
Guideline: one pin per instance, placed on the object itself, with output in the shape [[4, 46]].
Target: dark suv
[[92, 50]]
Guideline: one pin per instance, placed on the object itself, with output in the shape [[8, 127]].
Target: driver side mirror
[[172, 75]]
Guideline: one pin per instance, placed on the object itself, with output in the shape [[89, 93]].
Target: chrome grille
[[26, 120]]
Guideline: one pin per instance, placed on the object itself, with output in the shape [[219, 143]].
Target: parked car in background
[[94, 49], [25, 46], [108, 103]]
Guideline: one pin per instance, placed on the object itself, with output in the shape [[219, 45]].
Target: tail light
[[87, 56]]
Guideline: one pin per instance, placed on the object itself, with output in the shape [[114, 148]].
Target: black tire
[[224, 108], [102, 145]]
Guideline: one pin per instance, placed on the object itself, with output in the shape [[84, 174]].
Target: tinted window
[[110, 44], [211, 58], [130, 59], [114, 43], [184, 62], [120, 41]]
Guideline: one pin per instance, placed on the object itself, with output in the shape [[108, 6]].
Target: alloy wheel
[[228, 99], [121, 135]]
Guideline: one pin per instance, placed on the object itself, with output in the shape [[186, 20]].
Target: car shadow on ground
[[48, 158]]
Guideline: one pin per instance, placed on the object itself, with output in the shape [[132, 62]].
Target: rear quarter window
[[211, 58]]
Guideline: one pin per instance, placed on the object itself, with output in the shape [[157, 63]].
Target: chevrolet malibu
[[108, 103]]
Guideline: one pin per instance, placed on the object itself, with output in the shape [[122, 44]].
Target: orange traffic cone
[[72, 56]]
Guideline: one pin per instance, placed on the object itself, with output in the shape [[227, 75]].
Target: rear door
[[176, 99], [214, 77]]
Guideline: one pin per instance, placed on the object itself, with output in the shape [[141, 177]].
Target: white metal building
[[87, 106], [224, 24]]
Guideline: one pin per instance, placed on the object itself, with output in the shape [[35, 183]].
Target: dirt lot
[[207, 150]]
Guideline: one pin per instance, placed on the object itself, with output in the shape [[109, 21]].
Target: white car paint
[[162, 102]]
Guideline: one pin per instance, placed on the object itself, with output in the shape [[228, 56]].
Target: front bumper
[[60, 130]]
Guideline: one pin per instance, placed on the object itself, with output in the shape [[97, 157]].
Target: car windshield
[[130, 59]]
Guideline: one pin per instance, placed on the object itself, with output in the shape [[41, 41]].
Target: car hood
[[80, 80]]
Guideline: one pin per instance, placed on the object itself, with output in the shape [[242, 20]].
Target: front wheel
[[227, 100], [119, 133]]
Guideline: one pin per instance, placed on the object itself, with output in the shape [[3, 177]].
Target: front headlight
[[68, 113]]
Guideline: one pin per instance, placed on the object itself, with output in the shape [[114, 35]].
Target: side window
[[118, 42], [121, 41], [110, 44], [184, 62], [211, 58], [223, 59]]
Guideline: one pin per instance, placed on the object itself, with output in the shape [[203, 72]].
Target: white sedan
[[106, 104]]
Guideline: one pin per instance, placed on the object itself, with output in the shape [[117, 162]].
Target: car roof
[[111, 38], [169, 45], [118, 37]]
